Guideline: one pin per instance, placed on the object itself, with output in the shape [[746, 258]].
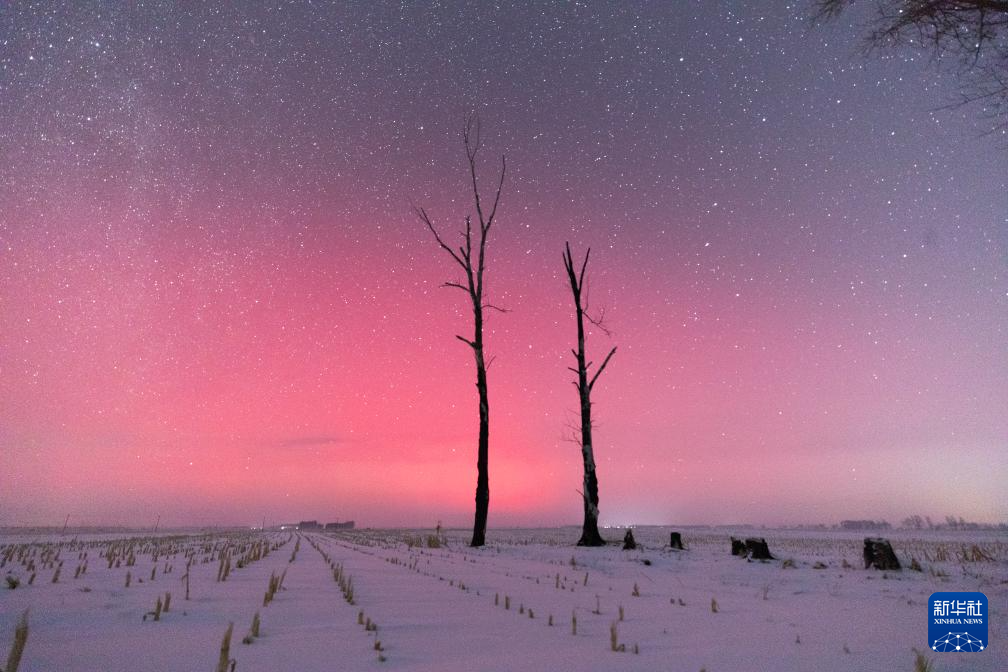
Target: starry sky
[[218, 307]]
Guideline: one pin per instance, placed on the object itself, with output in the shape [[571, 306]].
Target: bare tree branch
[[598, 321], [583, 267], [490, 306], [973, 34], [422, 214], [472, 148], [601, 368], [500, 185], [468, 239]]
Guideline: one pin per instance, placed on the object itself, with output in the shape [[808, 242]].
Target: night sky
[[217, 305]]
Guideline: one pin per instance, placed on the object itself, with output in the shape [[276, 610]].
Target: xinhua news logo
[[958, 622]]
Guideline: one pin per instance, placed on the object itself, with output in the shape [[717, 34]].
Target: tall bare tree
[[589, 530], [972, 34], [471, 257]]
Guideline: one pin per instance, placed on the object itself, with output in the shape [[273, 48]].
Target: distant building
[[348, 525], [307, 525]]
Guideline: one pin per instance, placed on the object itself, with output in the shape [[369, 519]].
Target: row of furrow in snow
[[422, 612], [569, 602]]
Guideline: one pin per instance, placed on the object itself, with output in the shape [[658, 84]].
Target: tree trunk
[[589, 529], [482, 459]]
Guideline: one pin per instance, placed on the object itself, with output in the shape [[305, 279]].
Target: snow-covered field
[[507, 606]]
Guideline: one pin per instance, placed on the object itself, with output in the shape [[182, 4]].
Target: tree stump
[[675, 541], [757, 549], [737, 547], [878, 553], [628, 541]]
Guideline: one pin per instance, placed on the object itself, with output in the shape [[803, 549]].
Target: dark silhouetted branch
[[601, 368]]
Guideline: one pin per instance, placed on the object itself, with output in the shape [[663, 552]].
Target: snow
[[435, 607]]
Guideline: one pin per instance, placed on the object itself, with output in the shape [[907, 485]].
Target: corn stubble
[[17, 647]]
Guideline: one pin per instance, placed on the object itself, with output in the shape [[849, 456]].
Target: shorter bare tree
[[589, 530]]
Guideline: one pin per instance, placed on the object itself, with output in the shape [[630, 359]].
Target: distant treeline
[[921, 523], [864, 525], [951, 523]]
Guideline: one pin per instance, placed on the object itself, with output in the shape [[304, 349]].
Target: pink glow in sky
[[217, 306]]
